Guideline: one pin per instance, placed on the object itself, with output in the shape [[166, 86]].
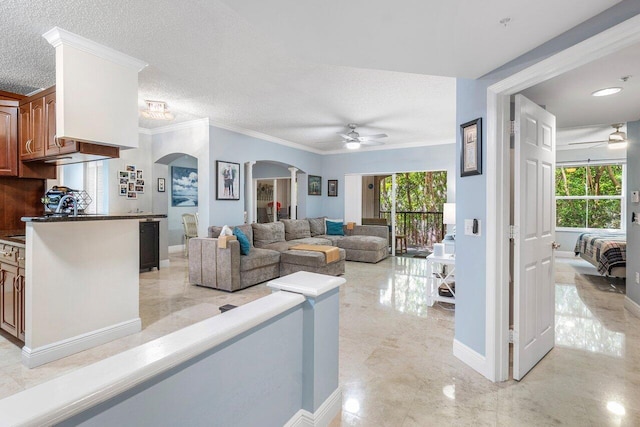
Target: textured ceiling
[[205, 60]]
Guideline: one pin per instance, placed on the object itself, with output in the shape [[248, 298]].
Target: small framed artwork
[[471, 155], [139, 181], [123, 189], [130, 168], [139, 174], [132, 195], [132, 176], [132, 186], [123, 175], [124, 181], [161, 185], [332, 188], [139, 188], [315, 185], [228, 180]]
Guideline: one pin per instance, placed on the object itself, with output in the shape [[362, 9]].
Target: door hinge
[[513, 336], [512, 232], [512, 127]]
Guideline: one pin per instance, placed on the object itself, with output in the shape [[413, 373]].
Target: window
[[590, 196], [93, 185]]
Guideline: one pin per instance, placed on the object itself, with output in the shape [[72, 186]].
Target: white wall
[[141, 158]]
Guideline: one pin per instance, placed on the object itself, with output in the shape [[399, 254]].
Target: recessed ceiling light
[[607, 91]]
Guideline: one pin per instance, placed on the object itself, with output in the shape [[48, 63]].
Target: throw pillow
[[334, 228], [245, 246], [317, 227]]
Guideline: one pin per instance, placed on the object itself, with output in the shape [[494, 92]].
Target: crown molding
[[265, 137], [174, 127], [57, 37]]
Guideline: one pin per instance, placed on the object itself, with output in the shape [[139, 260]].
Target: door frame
[[498, 201]]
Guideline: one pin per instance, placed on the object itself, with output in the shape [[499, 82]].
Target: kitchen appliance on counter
[[61, 199]]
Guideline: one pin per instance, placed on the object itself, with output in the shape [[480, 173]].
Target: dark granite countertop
[[15, 237], [91, 217]]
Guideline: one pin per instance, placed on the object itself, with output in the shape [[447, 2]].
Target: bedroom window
[[590, 196]]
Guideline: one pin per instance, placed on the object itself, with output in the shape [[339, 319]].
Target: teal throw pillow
[[334, 228], [245, 246]]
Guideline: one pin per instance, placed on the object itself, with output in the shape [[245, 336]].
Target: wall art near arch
[[184, 186], [228, 180]]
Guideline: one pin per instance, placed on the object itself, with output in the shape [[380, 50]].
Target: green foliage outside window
[[416, 192], [589, 196]]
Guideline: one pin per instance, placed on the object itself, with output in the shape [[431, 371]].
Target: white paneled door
[[534, 222]]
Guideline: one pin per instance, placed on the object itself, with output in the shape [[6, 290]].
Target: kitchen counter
[[90, 217], [82, 276], [13, 237]]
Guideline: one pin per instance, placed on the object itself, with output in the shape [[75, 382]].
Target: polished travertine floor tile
[[396, 361], [397, 367]]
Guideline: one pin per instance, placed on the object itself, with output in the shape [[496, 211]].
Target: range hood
[[96, 91]]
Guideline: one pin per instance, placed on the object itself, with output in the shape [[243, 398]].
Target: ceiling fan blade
[[371, 143], [370, 137], [345, 136]]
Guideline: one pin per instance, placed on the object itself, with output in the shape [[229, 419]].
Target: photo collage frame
[[131, 182]]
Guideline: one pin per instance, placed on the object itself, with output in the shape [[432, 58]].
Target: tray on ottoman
[[292, 261]]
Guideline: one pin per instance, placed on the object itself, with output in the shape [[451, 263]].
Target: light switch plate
[[468, 228]]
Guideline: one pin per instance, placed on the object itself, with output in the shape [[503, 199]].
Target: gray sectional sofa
[[227, 269]]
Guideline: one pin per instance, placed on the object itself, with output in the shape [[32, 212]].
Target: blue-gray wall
[[471, 99], [235, 147], [633, 231]]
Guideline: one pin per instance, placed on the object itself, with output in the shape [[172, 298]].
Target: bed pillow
[[334, 227], [245, 246]]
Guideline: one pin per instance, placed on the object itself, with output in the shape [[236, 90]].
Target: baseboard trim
[[471, 357], [165, 263], [322, 417], [632, 306], [50, 352], [174, 249]]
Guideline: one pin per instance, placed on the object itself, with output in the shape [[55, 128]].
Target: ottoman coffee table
[[295, 260]]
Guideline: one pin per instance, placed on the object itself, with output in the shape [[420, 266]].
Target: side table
[[441, 272]]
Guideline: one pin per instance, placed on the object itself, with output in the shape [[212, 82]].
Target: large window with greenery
[[589, 196]]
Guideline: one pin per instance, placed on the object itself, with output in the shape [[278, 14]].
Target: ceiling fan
[[617, 139], [353, 140]]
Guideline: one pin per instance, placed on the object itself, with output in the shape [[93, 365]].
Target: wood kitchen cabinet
[[32, 129], [12, 291], [8, 141]]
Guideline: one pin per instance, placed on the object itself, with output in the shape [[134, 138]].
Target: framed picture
[[132, 176], [132, 186], [471, 155], [228, 180], [160, 185], [139, 174], [139, 181], [123, 189], [184, 186], [132, 195], [315, 185], [130, 168], [332, 188], [123, 175]]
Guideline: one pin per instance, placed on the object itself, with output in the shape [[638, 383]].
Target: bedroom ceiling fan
[[617, 139], [353, 140]]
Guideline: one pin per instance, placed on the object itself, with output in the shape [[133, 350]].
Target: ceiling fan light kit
[[353, 141], [617, 139]]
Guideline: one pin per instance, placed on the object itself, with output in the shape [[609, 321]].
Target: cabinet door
[[8, 141], [51, 144], [24, 130], [37, 127], [8, 295], [20, 285]]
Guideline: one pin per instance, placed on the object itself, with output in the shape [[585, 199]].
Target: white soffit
[[458, 38]]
